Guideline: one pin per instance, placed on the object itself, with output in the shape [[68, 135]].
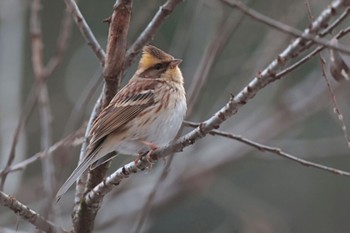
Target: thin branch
[[335, 23], [44, 105], [273, 150], [31, 102], [307, 35], [84, 214], [72, 140], [228, 26], [147, 35], [62, 43], [323, 33], [76, 116], [28, 214], [310, 55], [334, 102], [25, 115], [85, 30], [265, 77]]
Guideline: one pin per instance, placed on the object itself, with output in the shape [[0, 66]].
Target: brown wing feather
[[131, 100]]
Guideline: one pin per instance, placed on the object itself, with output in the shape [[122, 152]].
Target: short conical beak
[[175, 62]]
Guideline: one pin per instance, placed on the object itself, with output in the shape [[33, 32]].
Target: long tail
[[74, 176]]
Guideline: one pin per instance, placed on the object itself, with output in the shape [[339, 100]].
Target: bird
[[145, 114]]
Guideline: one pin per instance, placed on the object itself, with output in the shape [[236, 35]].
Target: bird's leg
[[152, 148]]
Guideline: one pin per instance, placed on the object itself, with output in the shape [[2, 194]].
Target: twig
[[334, 101], [307, 35], [330, 90], [25, 115], [227, 27], [233, 105], [76, 115], [73, 139], [62, 43], [329, 29], [273, 150], [44, 105], [152, 27], [28, 214], [84, 214], [85, 30], [310, 55]]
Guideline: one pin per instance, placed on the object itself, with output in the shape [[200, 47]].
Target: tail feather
[[74, 176], [103, 160]]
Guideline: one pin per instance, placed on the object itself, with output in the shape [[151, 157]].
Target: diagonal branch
[[28, 214], [25, 115], [307, 35], [310, 55], [85, 30], [72, 140], [228, 26], [62, 43]]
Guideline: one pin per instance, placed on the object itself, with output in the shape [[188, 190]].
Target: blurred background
[[217, 185]]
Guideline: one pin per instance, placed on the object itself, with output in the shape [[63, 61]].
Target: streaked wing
[[125, 106]]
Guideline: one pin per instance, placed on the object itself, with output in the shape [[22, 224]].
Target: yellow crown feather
[[152, 55]]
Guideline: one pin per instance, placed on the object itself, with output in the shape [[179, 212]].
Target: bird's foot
[[148, 154]]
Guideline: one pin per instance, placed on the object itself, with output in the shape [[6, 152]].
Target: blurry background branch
[[85, 30]]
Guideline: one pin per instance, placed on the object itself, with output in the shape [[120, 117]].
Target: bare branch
[[228, 26], [307, 35], [85, 30], [72, 140], [334, 102], [62, 43], [273, 150], [28, 110], [28, 214], [44, 105], [310, 55]]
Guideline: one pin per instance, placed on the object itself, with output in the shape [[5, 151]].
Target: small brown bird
[[144, 115]]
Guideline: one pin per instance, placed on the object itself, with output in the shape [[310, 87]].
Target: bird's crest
[[152, 55]]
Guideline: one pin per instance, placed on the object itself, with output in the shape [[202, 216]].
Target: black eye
[[158, 66]]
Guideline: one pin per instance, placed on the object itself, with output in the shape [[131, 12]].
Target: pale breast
[[159, 126]]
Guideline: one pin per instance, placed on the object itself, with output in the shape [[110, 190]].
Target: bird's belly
[[159, 132]]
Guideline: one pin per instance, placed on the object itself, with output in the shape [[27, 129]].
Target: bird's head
[[157, 64]]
